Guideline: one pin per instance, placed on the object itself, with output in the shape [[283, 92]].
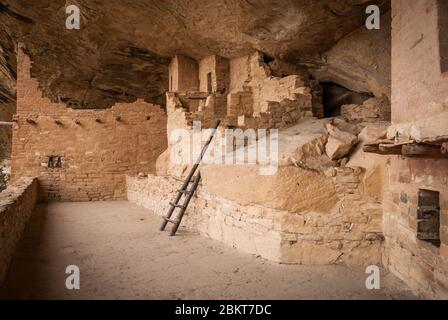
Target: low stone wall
[[16, 205], [348, 234]]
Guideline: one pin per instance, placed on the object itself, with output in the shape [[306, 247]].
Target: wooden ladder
[[184, 191]]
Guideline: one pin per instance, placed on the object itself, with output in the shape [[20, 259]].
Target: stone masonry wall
[[243, 93], [251, 74], [219, 68], [419, 91], [16, 205], [184, 74], [92, 150], [260, 100], [420, 264], [350, 234]]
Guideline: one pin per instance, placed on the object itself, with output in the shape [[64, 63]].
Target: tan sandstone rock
[[292, 189], [339, 142], [374, 109]]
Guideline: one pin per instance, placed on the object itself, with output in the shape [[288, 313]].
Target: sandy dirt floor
[[122, 255]]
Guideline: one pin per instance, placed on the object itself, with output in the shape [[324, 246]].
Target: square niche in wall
[[54, 162], [428, 217]]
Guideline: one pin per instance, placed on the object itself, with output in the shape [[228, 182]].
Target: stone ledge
[[342, 236]]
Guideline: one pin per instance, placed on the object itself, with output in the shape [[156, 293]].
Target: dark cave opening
[[334, 96]]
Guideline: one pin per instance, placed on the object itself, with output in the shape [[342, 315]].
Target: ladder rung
[[177, 205], [184, 191], [169, 220]]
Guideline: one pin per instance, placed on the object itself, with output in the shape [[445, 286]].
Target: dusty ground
[[121, 255]]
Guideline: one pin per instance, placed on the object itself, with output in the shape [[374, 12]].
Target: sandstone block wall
[[16, 205], [349, 232], [422, 265], [239, 73], [240, 104], [219, 69], [420, 91], [243, 93], [252, 74], [91, 150], [184, 74], [261, 100]]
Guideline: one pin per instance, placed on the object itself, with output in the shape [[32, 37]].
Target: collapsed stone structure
[[327, 202], [312, 210]]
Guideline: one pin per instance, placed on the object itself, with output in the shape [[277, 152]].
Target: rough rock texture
[[360, 61], [120, 52], [303, 145], [291, 189], [5, 140], [7, 110], [5, 153], [350, 234], [311, 211], [16, 205], [7, 67], [5, 173], [374, 165], [339, 142], [372, 110], [335, 96]]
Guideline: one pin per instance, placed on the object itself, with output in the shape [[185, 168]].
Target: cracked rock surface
[[122, 50]]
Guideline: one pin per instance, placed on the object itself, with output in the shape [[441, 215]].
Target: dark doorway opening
[[334, 96], [428, 217], [209, 82]]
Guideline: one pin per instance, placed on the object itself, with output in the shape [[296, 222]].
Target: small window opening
[[54, 162], [171, 83], [428, 217]]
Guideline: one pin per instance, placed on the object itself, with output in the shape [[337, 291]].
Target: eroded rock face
[[361, 61], [121, 52], [371, 110], [7, 67]]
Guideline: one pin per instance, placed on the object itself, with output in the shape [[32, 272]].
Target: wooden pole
[[423, 151]]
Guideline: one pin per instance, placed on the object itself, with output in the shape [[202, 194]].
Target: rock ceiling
[[123, 47]]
